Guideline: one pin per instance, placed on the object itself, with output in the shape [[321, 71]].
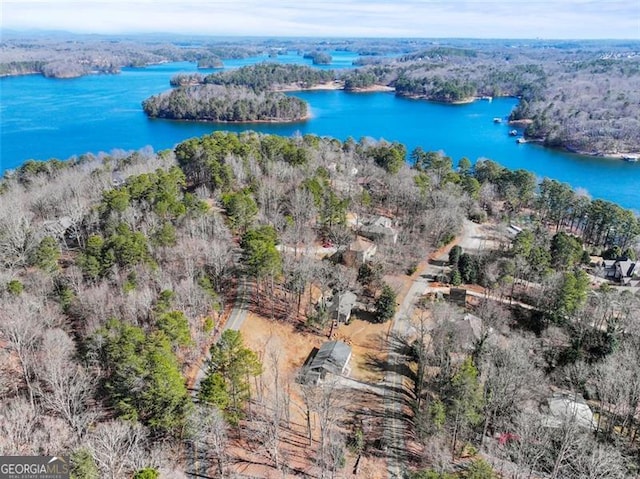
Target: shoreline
[[61, 77], [372, 89], [606, 155], [13, 75], [524, 122], [307, 117], [336, 85], [465, 101], [88, 73], [332, 85], [600, 155]]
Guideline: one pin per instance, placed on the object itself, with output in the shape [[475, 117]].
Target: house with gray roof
[[380, 229], [331, 359], [468, 330], [621, 270], [341, 305], [58, 228]]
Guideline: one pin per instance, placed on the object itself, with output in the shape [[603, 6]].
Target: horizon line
[[275, 36]]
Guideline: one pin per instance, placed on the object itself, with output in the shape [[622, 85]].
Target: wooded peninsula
[[246, 94]]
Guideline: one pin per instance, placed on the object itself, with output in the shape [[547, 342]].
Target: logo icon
[[34, 467]]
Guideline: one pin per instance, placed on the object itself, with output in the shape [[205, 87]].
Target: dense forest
[[224, 104], [212, 61], [271, 76], [117, 272], [319, 58], [66, 58], [358, 79], [580, 99], [65, 55], [588, 106]]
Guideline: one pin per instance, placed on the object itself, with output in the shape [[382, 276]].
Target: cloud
[[405, 18]]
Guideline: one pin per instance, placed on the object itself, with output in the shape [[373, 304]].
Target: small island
[[253, 93], [210, 61], [246, 95], [225, 104], [319, 58], [269, 76]]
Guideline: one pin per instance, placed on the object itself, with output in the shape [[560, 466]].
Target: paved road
[[236, 319], [395, 426], [471, 239], [234, 322], [240, 309]]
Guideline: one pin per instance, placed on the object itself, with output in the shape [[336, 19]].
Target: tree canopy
[[230, 367], [144, 380]]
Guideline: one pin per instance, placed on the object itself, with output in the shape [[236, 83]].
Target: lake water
[[44, 118]]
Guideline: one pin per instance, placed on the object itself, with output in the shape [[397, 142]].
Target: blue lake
[[44, 118]]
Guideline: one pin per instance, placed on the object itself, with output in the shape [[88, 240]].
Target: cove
[[44, 118]]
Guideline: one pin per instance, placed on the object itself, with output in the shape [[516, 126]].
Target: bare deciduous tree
[[18, 426], [65, 388], [271, 414], [528, 445], [509, 379], [118, 447], [207, 433], [21, 327], [301, 207], [598, 461], [18, 236], [328, 402]]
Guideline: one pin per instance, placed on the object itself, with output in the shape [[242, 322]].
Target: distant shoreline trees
[[269, 76]]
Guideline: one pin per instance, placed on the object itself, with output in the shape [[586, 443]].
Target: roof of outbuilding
[[627, 267]]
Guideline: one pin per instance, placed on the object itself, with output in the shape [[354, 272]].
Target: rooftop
[[343, 303], [332, 356], [569, 406]]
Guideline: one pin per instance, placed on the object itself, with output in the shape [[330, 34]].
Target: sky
[[550, 19]]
